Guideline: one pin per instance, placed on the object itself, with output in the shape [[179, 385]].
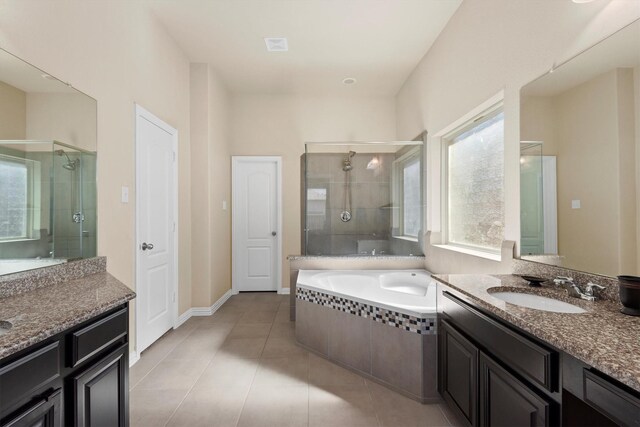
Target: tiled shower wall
[[370, 204]]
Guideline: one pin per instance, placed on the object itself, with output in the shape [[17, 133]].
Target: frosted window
[[411, 202], [316, 208], [13, 200], [476, 185]]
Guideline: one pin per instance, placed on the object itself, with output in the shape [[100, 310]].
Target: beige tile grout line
[[196, 381], [244, 401], [161, 359]]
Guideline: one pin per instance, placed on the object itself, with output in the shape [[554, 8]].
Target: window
[[16, 205], [316, 208], [407, 220], [475, 182]]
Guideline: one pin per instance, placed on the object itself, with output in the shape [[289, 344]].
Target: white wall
[[210, 185], [493, 45], [117, 53], [69, 118], [279, 125]]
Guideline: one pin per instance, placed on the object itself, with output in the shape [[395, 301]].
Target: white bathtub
[[410, 292], [8, 266]]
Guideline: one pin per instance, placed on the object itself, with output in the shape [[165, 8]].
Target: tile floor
[[241, 367]]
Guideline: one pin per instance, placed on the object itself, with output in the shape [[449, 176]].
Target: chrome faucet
[[573, 290], [373, 251]]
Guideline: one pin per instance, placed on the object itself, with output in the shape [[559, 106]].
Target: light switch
[[125, 194], [575, 204], [224, 205]]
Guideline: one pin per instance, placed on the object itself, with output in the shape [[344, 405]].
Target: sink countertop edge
[[613, 347], [73, 302]]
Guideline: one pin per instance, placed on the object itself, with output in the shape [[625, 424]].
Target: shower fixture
[[71, 164], [345, 215]]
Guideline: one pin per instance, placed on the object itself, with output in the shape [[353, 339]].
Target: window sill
[[21, 239], [473, 252], [407, 238]]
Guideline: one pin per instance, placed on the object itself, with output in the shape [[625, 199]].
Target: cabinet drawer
[[611, 400], [533, 361], [28, 374], [92, 339]]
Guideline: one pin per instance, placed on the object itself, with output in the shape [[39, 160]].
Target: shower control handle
[[146, 246], [273, 233]]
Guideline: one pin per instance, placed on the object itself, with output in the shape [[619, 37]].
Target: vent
[[276, 44]]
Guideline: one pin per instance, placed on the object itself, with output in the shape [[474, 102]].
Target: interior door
[[155, 200], [531, 206], [256, 253]]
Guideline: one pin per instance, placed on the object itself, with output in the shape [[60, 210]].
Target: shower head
[[346, 164], [71, 164]]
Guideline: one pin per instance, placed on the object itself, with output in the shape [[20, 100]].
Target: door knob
[[273, 233], [146, 246]]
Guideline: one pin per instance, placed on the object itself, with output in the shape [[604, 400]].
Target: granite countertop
[[41, 313], [354, 257], [602, 337]]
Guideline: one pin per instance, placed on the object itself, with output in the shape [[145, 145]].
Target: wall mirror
[[47, 169], [362, 198], [580, 152]]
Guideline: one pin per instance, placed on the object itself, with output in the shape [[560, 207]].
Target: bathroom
[[376, 78]]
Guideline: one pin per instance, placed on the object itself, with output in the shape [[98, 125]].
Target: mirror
[[580, 151], [48, 139], [362, 199]]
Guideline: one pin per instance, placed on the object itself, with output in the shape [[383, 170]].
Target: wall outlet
[[575, 204], [224, 205]]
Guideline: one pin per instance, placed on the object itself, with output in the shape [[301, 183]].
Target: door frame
[[235, 161], [142, 113]]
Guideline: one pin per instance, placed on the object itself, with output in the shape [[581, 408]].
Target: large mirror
[[580, 152], [47, 169]]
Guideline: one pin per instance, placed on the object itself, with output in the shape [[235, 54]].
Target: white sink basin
[[538, 302]]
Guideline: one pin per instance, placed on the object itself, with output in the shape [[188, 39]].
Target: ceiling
[[378, 42]]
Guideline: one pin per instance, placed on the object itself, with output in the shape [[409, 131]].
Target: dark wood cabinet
[[507, 402], [459, 373], [46, 411], [100, 392], [78, 377]]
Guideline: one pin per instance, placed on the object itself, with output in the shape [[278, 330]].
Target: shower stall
[[47, 201], [362, 199]]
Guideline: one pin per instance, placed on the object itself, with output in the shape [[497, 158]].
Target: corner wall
[[116, 52], [493, 45], [279, 125]]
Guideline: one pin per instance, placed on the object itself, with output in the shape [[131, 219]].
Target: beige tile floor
[[241, 367]]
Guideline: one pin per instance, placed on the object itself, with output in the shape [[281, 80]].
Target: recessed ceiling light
[[276, 44], [582, 1], [349, 81]]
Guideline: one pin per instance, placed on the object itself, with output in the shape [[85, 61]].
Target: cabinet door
[[459, 373], [505, 401], [101, 392], [45, 412]]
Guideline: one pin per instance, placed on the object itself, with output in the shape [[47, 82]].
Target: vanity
[[64, 347], [505, 364]]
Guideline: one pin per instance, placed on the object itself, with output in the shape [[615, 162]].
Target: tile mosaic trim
[[423, 326]]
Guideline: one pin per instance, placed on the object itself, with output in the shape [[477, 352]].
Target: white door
[[256, 223], [156, 265]]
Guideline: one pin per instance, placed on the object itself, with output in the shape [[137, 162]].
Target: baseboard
[[202, 311], [133, 358], [182, 318], [284, 291]]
